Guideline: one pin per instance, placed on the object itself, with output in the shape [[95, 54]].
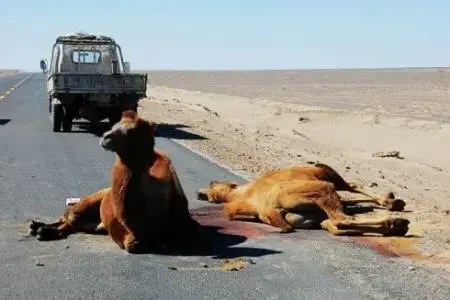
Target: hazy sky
[[244, 34]]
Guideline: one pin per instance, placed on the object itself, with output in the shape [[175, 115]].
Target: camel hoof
[[48, 234], [397, 205], [287, 230], [390, 195], [399, 227], [202, 196], [34, 226], [135, 247]]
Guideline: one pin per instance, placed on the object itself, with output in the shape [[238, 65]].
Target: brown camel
[[324, 172], [145, 206], [303, 198]]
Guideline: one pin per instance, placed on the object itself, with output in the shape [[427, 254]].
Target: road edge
[[210, 159]]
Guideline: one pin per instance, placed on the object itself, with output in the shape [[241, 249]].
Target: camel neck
[[137, 162]]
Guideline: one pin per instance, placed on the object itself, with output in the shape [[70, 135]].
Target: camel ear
[[213, 182]]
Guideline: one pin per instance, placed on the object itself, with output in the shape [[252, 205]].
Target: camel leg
[[328, 226], [274, 217], [390, 204], [388, 201], [84, 216], [398, 227], [132, 245], [135, 245], [331, 205], [238, 207], [34, 225]]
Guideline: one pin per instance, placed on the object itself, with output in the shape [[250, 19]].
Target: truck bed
[[98, 84]]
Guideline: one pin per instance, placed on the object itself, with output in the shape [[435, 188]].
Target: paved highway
[[39, 169], [8, 83]]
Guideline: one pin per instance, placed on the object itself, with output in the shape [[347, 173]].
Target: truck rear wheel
[[57, 116], [67, 123], [67, 119]]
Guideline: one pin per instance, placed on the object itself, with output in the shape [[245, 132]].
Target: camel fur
[[303, 198], [324, 172], [145, 205]]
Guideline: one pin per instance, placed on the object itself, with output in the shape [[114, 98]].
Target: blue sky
[[264, 34]]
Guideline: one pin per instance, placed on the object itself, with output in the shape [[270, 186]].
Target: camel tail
[[330, 175]]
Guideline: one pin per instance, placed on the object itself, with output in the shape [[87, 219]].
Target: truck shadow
[[164, 130], [175, 131], [87, 127], [4, 121]]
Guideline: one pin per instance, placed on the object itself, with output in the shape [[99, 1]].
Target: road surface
[[39, 169]]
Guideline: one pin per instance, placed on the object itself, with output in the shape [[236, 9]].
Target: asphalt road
[[39, 169], [9, 83]]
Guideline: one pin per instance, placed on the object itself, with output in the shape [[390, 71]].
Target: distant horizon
[[436, 68], [299, 69]]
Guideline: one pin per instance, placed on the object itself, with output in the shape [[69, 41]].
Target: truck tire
[[67, 120], [67, 123], [57, 116]]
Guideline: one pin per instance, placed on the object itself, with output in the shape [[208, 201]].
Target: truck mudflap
[[100, 83]]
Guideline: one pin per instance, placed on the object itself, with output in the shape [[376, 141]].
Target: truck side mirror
[[126, 67], [43, 65]]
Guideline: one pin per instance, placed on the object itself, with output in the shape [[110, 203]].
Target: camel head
[[131, 134], [217, 191]]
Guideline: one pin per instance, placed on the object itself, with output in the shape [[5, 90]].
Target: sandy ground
[[4, 72], [257, 121]]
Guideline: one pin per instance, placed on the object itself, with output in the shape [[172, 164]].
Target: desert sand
[[8, 71], [255, 121]]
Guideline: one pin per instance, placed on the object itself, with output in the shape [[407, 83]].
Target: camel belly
[[300, 207], [305, 220]]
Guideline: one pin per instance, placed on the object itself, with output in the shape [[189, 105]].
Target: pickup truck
[[87, 78]]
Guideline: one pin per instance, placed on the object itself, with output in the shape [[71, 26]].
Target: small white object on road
[[72, 201]]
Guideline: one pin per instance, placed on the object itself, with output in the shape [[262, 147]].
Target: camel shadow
[[211, 242]]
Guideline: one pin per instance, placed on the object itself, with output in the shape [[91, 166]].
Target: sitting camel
[[145, 205], [303, 198]]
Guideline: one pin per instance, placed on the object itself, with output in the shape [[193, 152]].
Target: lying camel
[[324, 172], [301, 198], [145, 205]]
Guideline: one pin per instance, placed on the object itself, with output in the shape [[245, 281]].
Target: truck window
[[86, 57]]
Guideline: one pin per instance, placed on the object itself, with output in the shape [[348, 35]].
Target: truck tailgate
[[100, 83]]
